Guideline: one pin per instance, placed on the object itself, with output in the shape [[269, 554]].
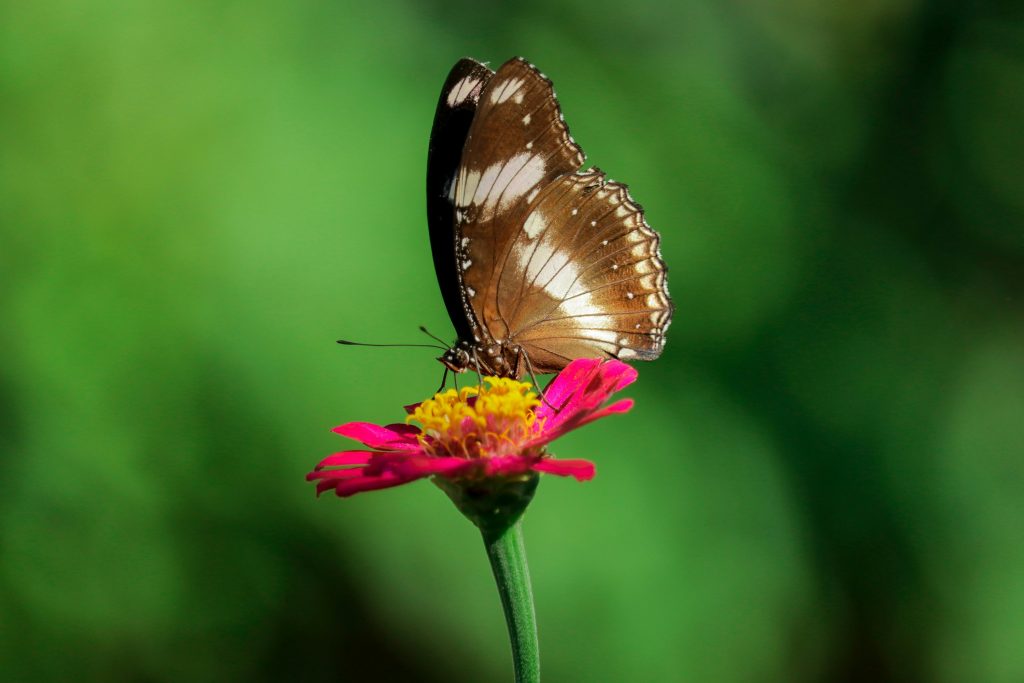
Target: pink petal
[[324, 486], [580, 470], [623, 405], [385, 470], [582, 387], [394, 437], [566, 383], [392, 462], [332, 475], [348, 488], [346, 458], [620, 374], [426, 466], [506, 465], [550, 433]]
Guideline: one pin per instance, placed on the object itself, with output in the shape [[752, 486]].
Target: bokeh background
[[822, 480]]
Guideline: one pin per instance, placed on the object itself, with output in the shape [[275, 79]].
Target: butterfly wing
[[584, 277], [518, 143], [452, 120], [559, 262]]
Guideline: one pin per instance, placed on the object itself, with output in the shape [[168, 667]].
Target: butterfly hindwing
[[584, 277]]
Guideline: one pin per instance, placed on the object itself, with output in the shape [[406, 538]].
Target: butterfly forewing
[[455, 112], [517, 145]]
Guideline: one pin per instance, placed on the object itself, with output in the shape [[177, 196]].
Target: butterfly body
[[500, 359], [538, 262]]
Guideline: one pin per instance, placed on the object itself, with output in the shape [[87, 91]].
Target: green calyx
[[493, 504]]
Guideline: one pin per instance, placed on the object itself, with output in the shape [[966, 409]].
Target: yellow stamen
[[478, 421]]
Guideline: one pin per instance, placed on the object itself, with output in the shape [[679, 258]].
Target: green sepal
[[493, 504]]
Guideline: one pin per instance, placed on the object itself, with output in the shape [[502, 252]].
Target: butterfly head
[[458, 358], [494, 358]]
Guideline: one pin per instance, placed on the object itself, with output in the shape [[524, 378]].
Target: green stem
[[508, 560]]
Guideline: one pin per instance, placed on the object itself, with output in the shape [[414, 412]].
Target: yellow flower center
[[492, 420]]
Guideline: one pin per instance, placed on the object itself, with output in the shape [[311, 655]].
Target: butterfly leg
[[444, 380], [533, 376], [479, 373]]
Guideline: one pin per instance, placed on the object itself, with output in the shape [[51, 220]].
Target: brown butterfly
[[539, 263]]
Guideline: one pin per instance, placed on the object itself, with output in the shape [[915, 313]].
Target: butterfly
[[539, 262]]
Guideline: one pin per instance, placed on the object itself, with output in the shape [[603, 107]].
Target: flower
[[496, 433]]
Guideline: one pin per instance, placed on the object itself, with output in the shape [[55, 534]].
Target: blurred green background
[[822, 480]]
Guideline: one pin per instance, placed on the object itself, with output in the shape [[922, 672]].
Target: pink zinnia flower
[[498, 432]]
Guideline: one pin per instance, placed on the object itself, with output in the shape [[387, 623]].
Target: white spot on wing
[[627, 354], [483, 186], [461, 90], [558, 275], [519, 176], [499, 95], [526, 120], [534, 225], [468, 183]]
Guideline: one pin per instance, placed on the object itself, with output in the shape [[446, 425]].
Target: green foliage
[[821, 480]]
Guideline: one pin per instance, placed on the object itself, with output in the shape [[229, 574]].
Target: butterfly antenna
[[346, 342], [424, 330]]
